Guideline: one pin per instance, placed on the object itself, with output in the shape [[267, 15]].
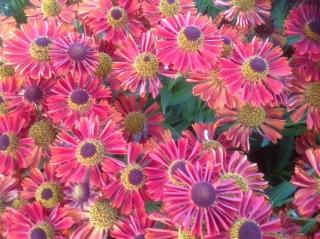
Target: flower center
[[169, 8], [33, 94], [146, 64], [185, 234], [5, 70], [105, 64], [80, 100], [313, 94], [312, 30], [8, 143], [77, 51], [252, 116], [18, 203], [255, 69], [117, 16], [2, 206], [190, 39], [139, 237], [3, 108], [227, 47], [135, 122], [43, 132], [132, 177], [203, 194], [49, 194], [245, 229], [51, 8], [210, 144], [81, 192], [264, 30], [174, 166], [90, 152], [42, 231], [102, 215], [244, 5], [318, 185], [40, 49], [238, 179]]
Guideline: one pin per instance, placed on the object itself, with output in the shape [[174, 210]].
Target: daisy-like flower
[[8, 192], [212, 89], [255, 71], [307, 198], [246, 12], [82, 150], [155, 10], [28, 50], [304, 22], [304, 101], [310, 69], [201, 203], [35, 222], [8, 89], [75, 97], [140, 121], [127, 191], [138, 67], [253, 220], [113, 22], [247, 119], [74, 53], [309, 140], [229, 35], [14, 146], [189, 43], [44, 187]]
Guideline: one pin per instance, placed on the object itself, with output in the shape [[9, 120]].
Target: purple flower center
[[4, 142], [33, 94], [88, 150], [139, 237], [77, 51], [1, 100], [80, 96], [46, 194], [192, 33], [42, 41], [203, 194], [178, 165], [258, 64], [315, 26], [250, 230], [116, 14], [171, 1], [226, 40], [38, 233], [135, 177]]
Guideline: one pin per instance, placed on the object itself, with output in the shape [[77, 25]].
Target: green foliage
[[281, 194], [14, 8], [207, 7]]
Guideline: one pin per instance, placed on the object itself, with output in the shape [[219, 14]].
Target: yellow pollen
[[93, 159], [251, 74], [80, 107], [214, 77], [40, 53], [311, 34], [244, 5], [2, 206], [18, 203], [103, 215], [5, 70], [185, 234], [235, 228], [188, 45], [210, 144], [318, 185], [146, 64], [127, 180], [121, 20], [51, 8], [168, 9], [135, 122], [43, 132], [49, 194], [252, 116], [313, 94], [3, 109], [173, 169], [227, 50], [105, 64], [13, 145], [43, 227], [238, 179]]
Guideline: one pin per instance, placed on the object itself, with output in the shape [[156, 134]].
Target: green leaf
[[292, 40], [309, 226], [294, 131], [165, 95], [281, 194], [181, 95], [279, 12]]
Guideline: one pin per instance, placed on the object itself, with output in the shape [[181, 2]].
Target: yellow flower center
[[312, 30], [49, 194], [5, 70], [313, 94], [169, 8], [51, 8], [9, 143], [214, 77], [146, 64], [318, 185], [2, 206], [252, 116], [210, 144], [135, 122], [190, 39], [238, 179], [117, 16], [90, 152], [3, 108], [40, 49], [43, 230], [132, 177], [244, 227], [18, 203], [174, 166], [103, 215], [43, 132], [244, 5], [80, 100], [105, 64], [185, 234], [255, 69]]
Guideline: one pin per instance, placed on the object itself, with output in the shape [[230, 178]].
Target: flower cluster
[[85, 151]]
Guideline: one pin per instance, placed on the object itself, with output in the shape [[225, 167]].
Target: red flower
[[8, 89]]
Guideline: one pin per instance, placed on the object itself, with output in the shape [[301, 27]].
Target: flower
[[189, 43], [138, 68], [201, 204], [74, 97], [230, 36], [82, 150], [289, 229], [304, 21], [8, 192], [246, 12], [127, 190], [308, 68], [307, 197], [140, 121], [247, 119], [74, 53], [255, 71], [9, 88], [28, 50], [155, 10], [306, 141]]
